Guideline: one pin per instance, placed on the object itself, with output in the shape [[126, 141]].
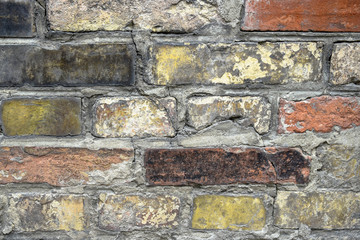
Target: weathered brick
[[16, 18], [134, 117], [305, 15], [225, 212], [209, 166], [158, 16], [320, 114], [242, 63], [58, 166], [345, 63], [131, 212], [318, 210], [204, 111], [29, 213], [69, 65], [47, 116]]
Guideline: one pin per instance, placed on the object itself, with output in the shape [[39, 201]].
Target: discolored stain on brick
[[16, 18], [29, 213], [57, 166], [134, 117], [231, 213], [118, 212], [305, 15], [345, 64], [157, 16], [235, 64], [319, 114], [225, 166], [47, 116], [204, 111], [318, 210]]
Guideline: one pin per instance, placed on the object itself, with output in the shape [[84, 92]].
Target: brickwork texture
[[180, 119]]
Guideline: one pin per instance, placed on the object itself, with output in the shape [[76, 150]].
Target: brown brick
[[47, 116], [57, 166], [16, 18], [118, 212], [225, 166], [29, 213], [320, 114], [305, 15]]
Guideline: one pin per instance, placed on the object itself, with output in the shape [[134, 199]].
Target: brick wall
[[179, 119]]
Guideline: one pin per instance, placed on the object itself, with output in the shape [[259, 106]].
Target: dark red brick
[[304, 15], [226, 166]]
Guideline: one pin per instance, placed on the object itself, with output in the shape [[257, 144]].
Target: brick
[[119, 212], [47, 116], [204, 111], [306, 15], [210, 166], [69, 65], [29, 213], [345, 64], [318, 210], [318, 114], [157, 16], [236, 64], [16, 18], [134, 117], [59, 166], [232, 213]]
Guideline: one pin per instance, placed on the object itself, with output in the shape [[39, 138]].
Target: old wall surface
[[179, 119]]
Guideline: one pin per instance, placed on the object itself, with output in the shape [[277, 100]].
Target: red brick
[[225, 166], [305, 15], [56, 166], [320, 114]]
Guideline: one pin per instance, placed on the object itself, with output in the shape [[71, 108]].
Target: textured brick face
[[69, 65], [305, 15], [134, 117], [16, 18], [268, 63], [204, 111], [232, 213], [158, 16], [345, 63], [319, 210], [53, 116], [131, 212], [320, 114], [220, 166], [46, 213], [57, 166]]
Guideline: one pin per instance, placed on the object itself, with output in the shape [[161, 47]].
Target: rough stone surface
[[134, 117], [157, 16], [340, 166], [305, 15], [318, 210], [69, 65], [51, 116], [118, 212], [232, 213], [204, 111], [267, 63], [345, 63], [29, 213], [209, 166], [16, 18], [58, 166], [320, 114]]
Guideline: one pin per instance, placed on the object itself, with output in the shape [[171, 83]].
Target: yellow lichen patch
[[233, 213], [321, 210]]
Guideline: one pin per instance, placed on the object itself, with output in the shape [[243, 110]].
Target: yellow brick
[[223, 212]]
